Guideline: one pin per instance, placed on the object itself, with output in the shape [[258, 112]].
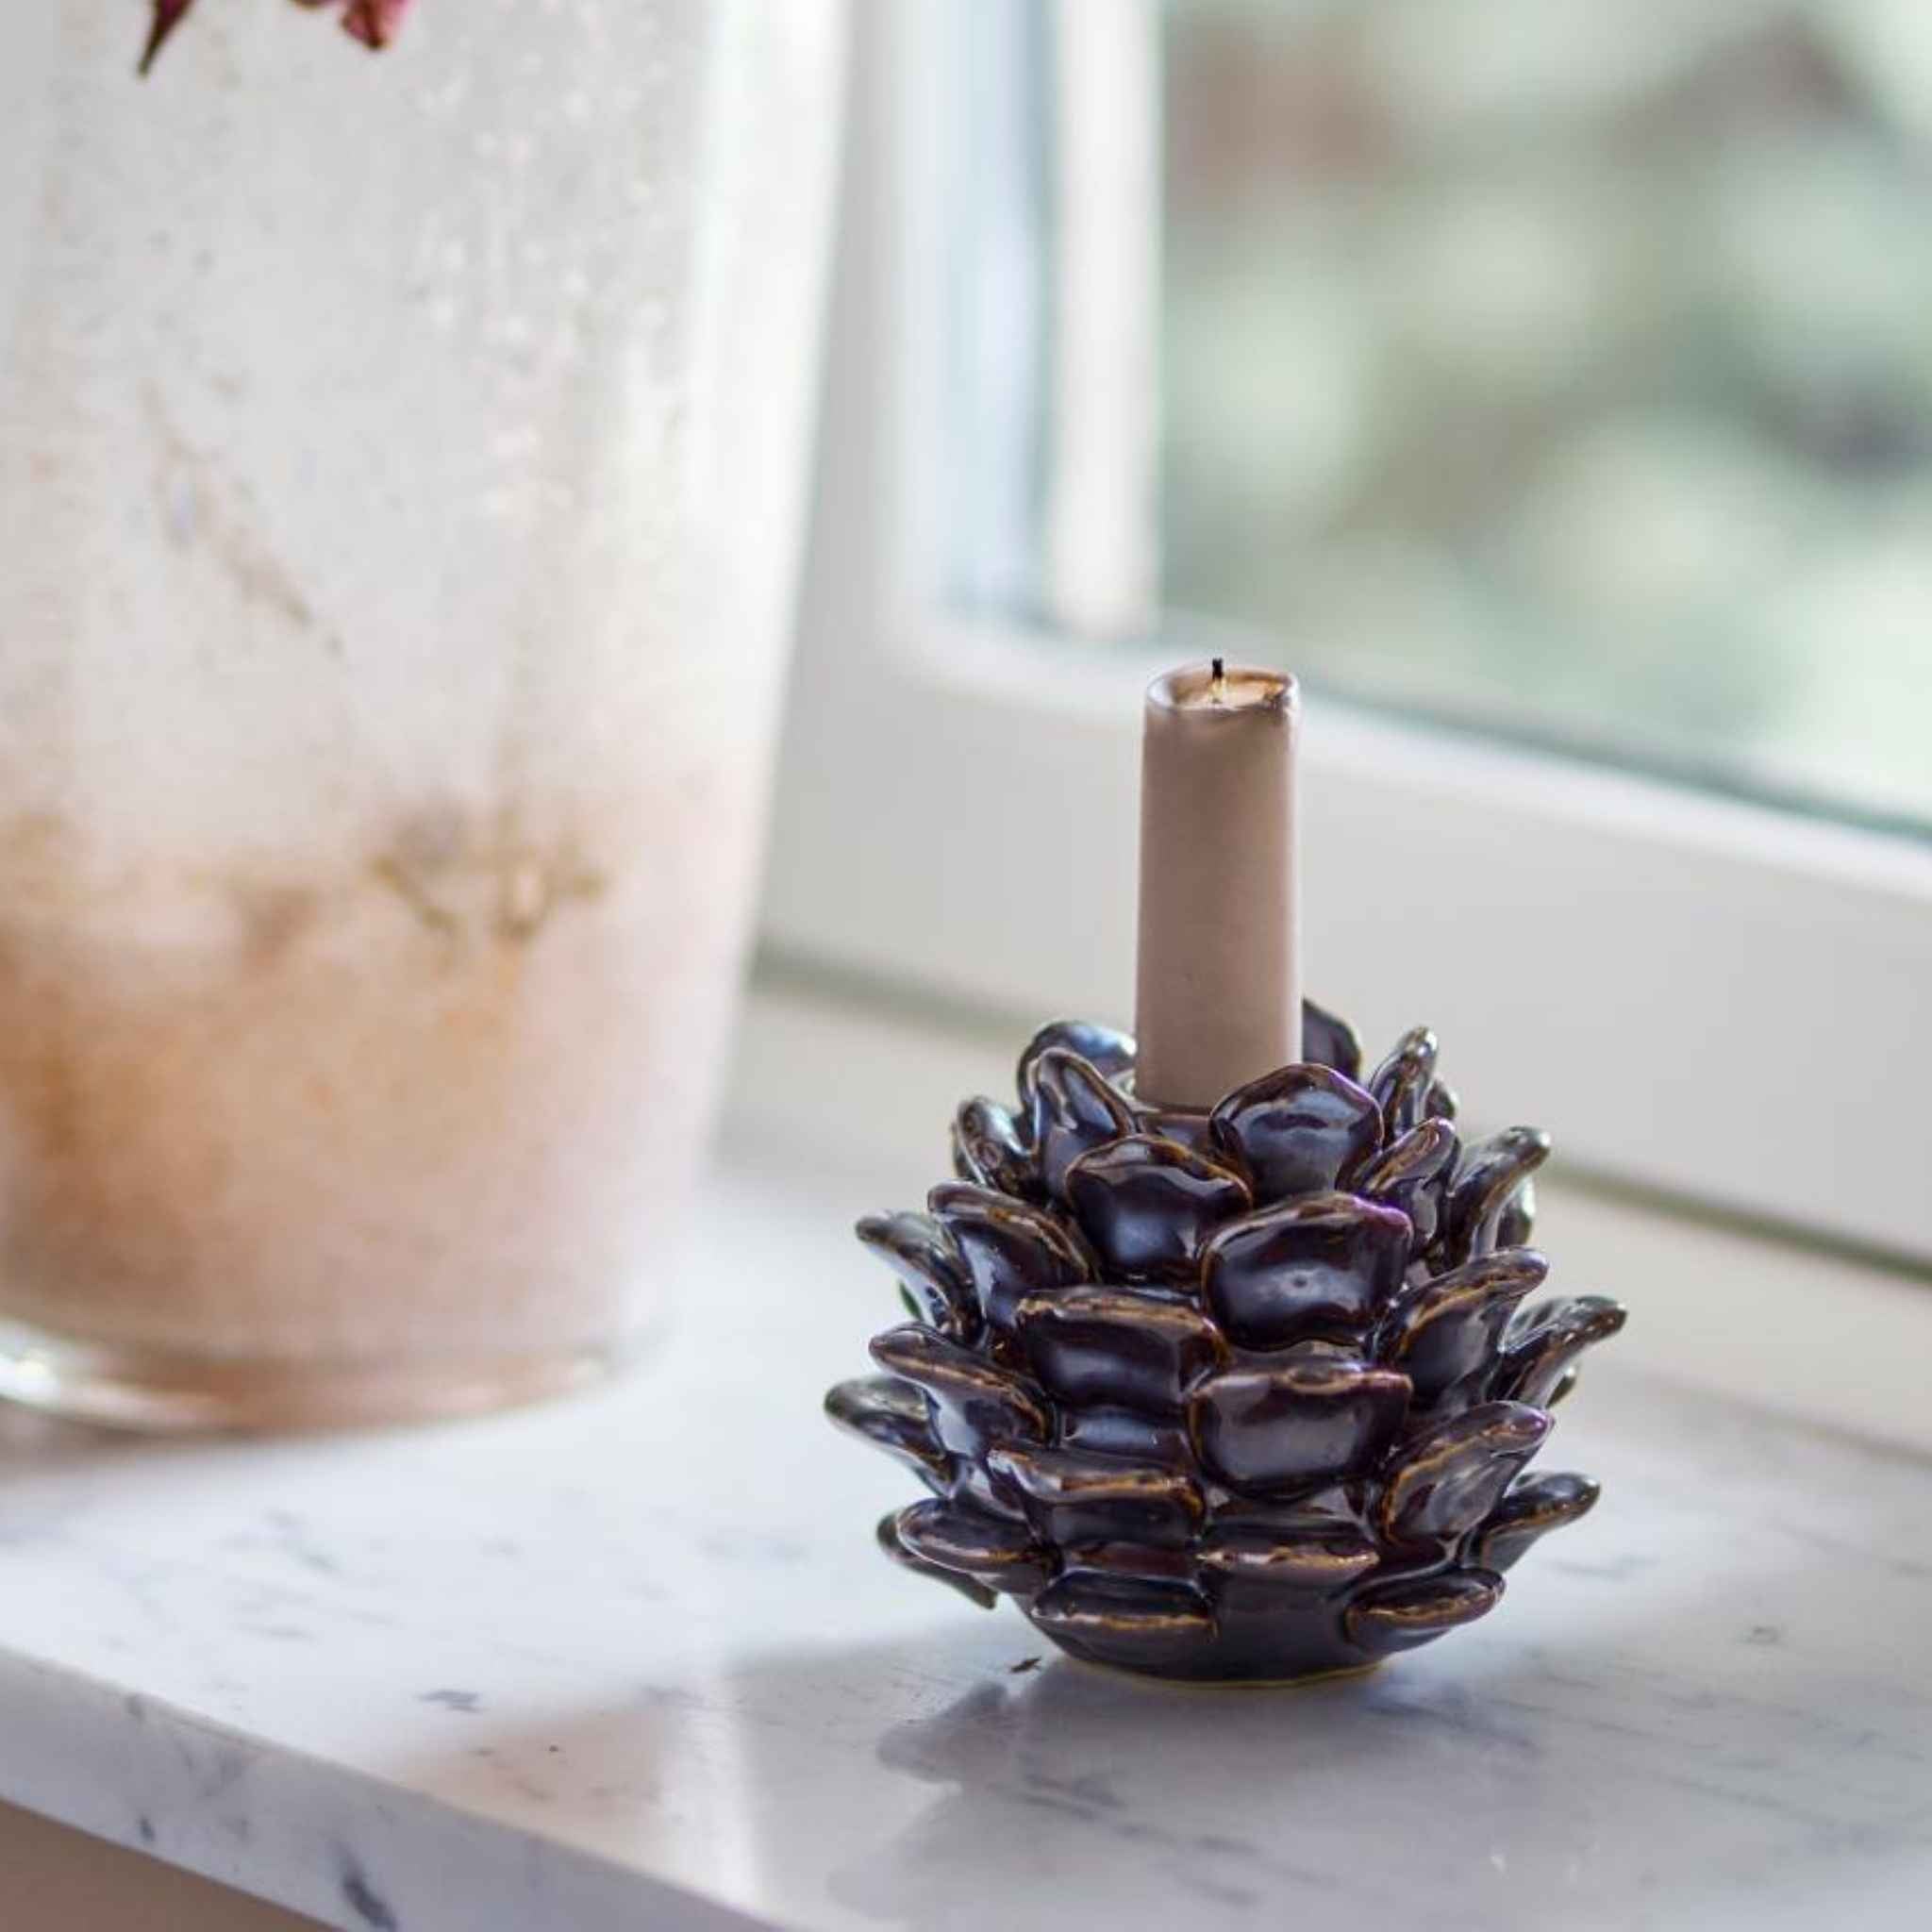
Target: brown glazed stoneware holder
[[1245, 1394]]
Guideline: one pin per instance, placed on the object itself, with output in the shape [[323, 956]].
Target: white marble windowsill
[[632, 1660]]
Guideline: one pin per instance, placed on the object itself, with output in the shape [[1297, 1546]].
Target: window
[[1548, 386]]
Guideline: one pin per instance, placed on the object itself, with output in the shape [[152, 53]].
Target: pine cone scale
[[1133, 1347]]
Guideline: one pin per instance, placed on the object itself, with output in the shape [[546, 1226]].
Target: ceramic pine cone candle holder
[[1243, 1394]]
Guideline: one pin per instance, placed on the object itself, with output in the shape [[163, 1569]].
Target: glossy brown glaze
[[1243, 1393]]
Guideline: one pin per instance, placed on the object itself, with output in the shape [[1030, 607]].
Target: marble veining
[[559, 1669]]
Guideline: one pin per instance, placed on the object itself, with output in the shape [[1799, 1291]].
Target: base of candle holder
[[1237, 1395], [1169, 1680]]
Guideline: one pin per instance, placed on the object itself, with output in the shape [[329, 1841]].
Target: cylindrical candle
[[1219, 997]]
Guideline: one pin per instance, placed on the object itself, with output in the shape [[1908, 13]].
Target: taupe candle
[[1219, 997]]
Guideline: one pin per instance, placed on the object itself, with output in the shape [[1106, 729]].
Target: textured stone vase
[[1242, 1394], [401, 480]]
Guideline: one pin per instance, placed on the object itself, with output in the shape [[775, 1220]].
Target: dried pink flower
[[167, 17], [372, 22]]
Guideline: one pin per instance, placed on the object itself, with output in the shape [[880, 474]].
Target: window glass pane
[[1555, 366]]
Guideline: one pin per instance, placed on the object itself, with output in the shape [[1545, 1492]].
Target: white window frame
[[1701, 996]]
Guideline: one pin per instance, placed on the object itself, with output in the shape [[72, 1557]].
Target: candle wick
[[1217, 684]]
